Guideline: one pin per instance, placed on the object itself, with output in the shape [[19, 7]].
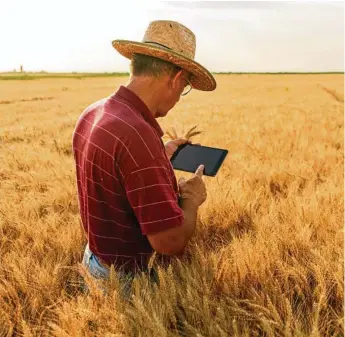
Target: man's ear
[[176, 77]]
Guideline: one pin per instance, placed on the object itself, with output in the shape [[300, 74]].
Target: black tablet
[[188, 157]]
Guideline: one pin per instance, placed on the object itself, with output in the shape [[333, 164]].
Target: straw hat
[[172, 42]]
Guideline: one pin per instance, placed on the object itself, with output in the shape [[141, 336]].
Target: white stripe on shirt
[[174, 217]]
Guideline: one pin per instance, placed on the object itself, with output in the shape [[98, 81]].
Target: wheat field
[[267, 255]]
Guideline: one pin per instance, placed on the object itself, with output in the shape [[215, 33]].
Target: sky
[[234, 36]]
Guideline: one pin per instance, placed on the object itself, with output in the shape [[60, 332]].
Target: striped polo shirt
[[126, 184]]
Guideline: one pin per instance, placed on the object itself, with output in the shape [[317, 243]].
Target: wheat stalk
[[192, 132]]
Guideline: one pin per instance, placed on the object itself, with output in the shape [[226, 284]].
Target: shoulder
[[89, 111], [134, 131]]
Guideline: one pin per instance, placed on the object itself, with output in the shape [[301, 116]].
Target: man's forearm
[[190, 211]]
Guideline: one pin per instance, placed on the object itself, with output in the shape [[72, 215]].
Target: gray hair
[[144, 65]]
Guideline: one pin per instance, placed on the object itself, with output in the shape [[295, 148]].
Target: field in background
[[267, 257], [13, 75], [44, 75]]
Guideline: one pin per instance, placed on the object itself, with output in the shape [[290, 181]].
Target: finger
[[200, 170], [181, 141]]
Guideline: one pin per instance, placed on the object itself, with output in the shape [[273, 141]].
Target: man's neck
[[147, 89]]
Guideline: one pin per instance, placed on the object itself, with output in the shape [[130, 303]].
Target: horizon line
[[18, 73]]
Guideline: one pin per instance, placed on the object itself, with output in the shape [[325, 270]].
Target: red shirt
[[126, 184]]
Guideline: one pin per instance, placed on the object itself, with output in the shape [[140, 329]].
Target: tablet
[[188, 157]]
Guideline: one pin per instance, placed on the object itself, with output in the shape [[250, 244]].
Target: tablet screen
[[188, 157]]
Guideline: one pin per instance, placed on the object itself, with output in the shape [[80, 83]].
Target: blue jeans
[[101, 272]]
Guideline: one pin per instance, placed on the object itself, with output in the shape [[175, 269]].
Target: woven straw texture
[[173, 42]]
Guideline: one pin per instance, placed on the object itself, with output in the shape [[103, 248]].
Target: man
[[130, 202]]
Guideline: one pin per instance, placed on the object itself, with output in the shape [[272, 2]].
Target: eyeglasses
[[187, 88]]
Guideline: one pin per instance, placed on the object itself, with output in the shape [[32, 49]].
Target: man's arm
[[174, 240], [192, 194], [153, 199]]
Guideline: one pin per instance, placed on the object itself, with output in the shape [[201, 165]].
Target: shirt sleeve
[[151, 194]]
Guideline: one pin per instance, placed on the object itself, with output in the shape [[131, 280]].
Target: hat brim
[[201, 78]]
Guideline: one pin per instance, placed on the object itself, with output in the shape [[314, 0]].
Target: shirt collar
[[129, 96]]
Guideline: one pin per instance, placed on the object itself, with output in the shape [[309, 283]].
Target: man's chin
[[162, 114]]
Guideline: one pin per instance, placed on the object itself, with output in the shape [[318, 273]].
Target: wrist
[[188, 203]]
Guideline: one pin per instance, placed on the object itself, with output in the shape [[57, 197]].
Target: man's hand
[[193, 191], [172, 145]]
